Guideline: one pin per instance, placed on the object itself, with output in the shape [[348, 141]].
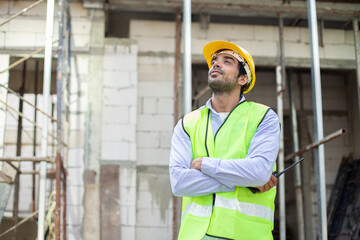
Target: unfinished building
[[125, 93]]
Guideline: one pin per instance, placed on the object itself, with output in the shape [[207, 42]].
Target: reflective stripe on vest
[[249, 209], [197, 210]]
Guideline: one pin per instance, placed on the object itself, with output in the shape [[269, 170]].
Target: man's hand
[[270, 184], [196, 163]]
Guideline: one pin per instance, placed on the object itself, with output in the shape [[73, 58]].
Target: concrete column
[[95, 93], [93, 142]]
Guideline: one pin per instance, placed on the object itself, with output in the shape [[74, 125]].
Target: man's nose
[[216, 64]]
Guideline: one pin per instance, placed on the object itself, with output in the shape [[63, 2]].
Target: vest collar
[[209, 106]]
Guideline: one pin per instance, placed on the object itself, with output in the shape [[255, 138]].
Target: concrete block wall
[[31, 26], [154, 205], [262, 41], [119, 122], [154, 127], [120, 101], [128, 198]]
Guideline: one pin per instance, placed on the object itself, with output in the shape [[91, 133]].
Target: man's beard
[[222, 86]]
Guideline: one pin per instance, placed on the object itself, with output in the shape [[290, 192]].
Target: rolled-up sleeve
[[186, 182], [256, 168]]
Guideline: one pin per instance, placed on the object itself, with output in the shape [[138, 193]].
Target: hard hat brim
[[215, 46]]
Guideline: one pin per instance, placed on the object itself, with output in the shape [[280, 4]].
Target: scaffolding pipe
[[297, 180], [46, 107], [187, 57], [282, 51], [59, 110], [64, 204], [36, 78], [22, 60], [18, 153], [176, 106], [27, 159], [357, 55], [28, 119], [313, 145], [281, 155], [68, 62], [318, 120], [280, 78], [28, 102], [68, 78], [22, 12]]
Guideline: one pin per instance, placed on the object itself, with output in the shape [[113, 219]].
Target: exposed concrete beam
[[326, 10]]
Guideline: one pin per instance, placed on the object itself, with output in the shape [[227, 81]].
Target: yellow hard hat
[[239, 53]]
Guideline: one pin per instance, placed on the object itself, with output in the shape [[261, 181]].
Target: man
[[222, 149]]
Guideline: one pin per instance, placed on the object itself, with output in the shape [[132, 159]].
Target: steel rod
[[22, 12], [187, 57], [18, 153], [176, 108], [64, 205], [13, 166], [19, 223], [36, 79], [279, 108], [28, 102], [46, 107], [313, 145], [318, 120], [59, 110], [297, 177], [22, 222], [27, 159], [28, 119], [48, 172], [57, 196], [15, 218], [5, 178], [282, 51], [22, 60]]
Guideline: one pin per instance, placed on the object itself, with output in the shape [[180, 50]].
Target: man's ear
[[243, 79]]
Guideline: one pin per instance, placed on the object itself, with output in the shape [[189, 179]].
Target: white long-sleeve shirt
[[219, 175]]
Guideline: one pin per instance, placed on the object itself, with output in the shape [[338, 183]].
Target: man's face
[[223, 74]]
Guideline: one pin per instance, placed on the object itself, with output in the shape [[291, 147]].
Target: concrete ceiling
[[327, 9]]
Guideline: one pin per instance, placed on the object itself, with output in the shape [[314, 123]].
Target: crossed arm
[[202, 176], [196, 164]]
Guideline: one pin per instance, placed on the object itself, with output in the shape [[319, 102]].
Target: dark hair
[[241, 69], [242, 72]]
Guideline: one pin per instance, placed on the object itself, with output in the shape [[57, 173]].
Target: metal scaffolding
[[56, 209]]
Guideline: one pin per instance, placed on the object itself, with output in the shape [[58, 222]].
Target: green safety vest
[[240, 214]]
